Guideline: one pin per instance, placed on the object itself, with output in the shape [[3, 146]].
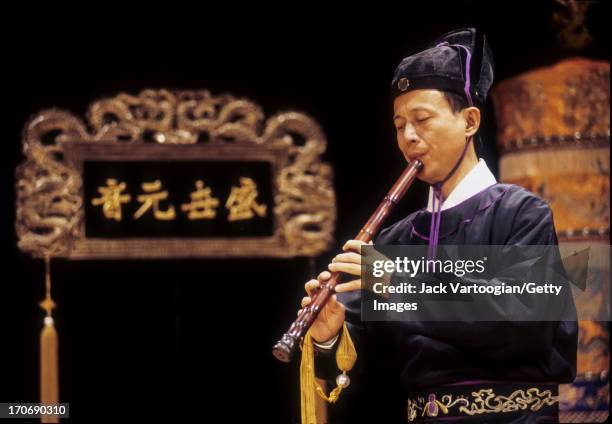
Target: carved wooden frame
[[194, 124]]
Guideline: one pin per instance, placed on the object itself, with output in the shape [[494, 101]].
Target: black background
[[141, 339]]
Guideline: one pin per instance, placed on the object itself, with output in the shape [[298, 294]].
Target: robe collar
[[478, 179]]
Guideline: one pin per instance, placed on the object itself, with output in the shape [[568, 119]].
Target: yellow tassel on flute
[[49, 376], [346, 355], [307, 382]]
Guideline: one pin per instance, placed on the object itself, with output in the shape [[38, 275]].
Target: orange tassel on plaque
[[49, 376]]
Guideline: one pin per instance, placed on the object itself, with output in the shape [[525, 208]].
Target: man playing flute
[[405, 368]]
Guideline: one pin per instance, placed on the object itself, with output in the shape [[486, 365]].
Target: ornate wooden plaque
[[174, 174]]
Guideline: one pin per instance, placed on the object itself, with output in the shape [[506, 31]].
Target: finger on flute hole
[[350, 286], [324, 275], [312, 286], [350, 257], [346, 267], [354, 245]]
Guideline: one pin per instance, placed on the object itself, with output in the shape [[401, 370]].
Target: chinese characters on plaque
[[241, 202], [187, 199]]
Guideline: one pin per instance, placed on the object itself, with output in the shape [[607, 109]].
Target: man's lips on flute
[[421, 158]]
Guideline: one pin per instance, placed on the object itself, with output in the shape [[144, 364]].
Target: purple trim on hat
[[468, 61]]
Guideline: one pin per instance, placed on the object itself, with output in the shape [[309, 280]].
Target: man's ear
[[471, 115]]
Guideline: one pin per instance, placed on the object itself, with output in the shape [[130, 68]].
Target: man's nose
[[410, 136], [413, 146]]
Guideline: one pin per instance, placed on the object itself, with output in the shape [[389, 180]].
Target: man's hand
[[330, 319]]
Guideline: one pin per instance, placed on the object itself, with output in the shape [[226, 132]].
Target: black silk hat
[[460, 62]]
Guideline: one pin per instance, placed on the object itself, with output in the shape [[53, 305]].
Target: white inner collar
[[479, 178]]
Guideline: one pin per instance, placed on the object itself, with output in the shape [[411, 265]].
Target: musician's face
[[428, 129]]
